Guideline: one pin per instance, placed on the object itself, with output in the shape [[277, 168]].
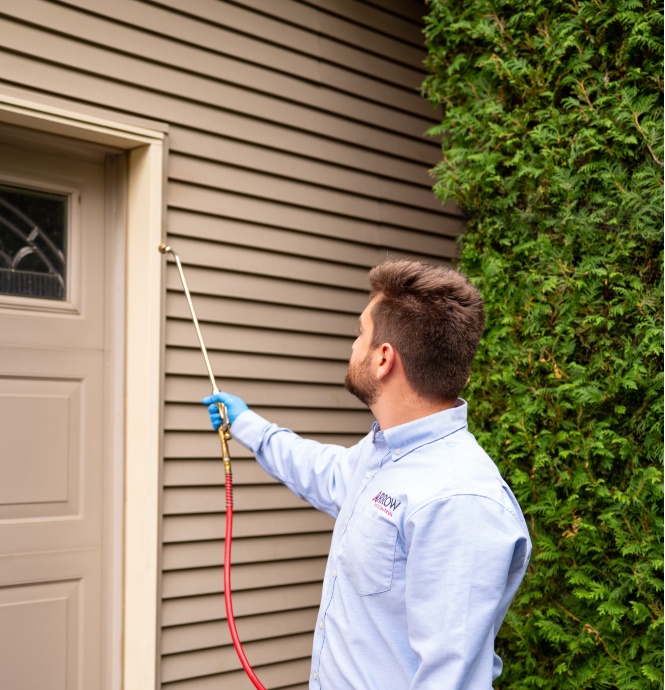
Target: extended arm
[[318, 473]]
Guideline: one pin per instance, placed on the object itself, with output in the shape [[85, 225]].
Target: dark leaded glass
[[33, 239]]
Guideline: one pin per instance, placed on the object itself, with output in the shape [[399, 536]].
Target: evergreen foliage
[[552, 145]]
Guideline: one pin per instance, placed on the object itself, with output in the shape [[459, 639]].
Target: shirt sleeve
[[462, 553], [316, 472]]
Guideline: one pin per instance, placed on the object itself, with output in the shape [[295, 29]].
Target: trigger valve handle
[[225, 437]]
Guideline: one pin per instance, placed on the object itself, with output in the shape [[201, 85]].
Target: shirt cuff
[[248, 429]]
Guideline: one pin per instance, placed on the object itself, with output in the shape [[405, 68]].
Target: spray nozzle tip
[[164, 248]]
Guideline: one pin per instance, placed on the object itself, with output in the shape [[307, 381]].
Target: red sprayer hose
[[228, 539]]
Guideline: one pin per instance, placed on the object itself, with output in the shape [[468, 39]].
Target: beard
[[359, 382]]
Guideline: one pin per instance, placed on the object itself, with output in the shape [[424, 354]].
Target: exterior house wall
[[296, 161]]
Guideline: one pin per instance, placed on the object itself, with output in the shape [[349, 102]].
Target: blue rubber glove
[[234, 406]]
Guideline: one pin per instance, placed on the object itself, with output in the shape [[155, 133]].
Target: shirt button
[[368, 474], [315, 676], [334, 573], [321, 625], [397, 451]]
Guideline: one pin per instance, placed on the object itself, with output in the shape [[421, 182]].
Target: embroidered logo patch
[[386, 504]]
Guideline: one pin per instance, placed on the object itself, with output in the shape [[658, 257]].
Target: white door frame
[[136, 428]]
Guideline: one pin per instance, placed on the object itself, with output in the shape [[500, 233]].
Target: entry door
[[53, 503]]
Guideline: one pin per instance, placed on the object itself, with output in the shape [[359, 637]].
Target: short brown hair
[[434, 317]]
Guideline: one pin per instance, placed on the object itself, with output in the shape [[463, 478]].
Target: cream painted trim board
[[134, 657], [89, 124], [143, 369]]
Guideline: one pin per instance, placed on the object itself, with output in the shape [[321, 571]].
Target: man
[[430, 544]]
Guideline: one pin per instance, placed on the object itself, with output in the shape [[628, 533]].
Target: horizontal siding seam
[[360, 96]]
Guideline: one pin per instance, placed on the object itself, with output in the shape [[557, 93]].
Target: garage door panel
[[42, 451], [51, 423], [45, 626]]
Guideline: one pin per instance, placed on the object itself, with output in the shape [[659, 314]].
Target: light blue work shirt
[[428, 549]]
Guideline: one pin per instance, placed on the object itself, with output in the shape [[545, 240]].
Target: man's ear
[[386, 360]]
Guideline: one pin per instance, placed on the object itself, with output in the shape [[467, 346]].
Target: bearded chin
[[359, 382]]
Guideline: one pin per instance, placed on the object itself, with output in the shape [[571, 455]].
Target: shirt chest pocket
[[369, 558]]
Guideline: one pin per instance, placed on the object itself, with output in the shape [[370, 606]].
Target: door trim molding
[[137, 453]]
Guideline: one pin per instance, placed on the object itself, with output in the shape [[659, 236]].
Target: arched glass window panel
[[33, 243]]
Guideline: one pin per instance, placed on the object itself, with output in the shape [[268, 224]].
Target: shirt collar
[[405, 438]]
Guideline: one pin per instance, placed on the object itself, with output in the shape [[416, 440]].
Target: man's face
[[359, 379]]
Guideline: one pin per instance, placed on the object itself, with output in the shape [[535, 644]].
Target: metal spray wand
[[224, 433], [224, 437]]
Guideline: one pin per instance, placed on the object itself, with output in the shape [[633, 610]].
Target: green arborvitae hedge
[[552, 144]]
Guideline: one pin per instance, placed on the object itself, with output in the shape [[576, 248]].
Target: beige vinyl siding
[[296, 161]]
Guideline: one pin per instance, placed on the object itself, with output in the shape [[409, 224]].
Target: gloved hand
[[234, 406]]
